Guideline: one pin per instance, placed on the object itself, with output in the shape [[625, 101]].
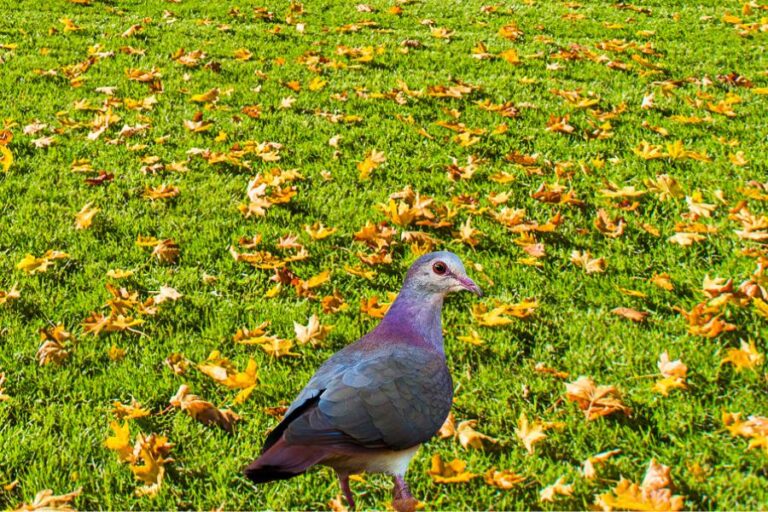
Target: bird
[[371, 405]]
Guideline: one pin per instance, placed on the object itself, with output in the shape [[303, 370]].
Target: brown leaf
[[631, 314], [203, 411], [595, 401]]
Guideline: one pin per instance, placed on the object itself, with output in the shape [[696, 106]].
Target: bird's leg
[[403, 500], [344, 483]]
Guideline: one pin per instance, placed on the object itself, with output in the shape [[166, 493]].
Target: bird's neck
[[415, 317]]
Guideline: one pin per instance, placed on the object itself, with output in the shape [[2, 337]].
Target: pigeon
[[371, 405]]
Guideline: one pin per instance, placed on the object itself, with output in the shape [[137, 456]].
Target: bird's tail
[[282, 461]]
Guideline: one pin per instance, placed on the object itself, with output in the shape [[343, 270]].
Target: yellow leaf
[[7, 158], [129, 412], [449, 473], [120, 442], [654, 494], [206, 97], [84, 217], [505, 479], [745, 357], [473, 338], [510, 56]]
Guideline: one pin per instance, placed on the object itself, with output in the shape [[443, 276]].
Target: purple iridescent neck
[[414, 317]]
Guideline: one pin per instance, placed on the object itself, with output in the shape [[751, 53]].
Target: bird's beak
[[470, 285]]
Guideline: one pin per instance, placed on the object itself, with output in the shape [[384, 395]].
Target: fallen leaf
[[653, 494], [746, 357], [203, 411], [631, 314], [453, 472], [505, 479], [471, 438], [559, 488], [46, 500], [595, 401]]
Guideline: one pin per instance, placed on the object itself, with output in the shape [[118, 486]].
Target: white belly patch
[[375, 461]]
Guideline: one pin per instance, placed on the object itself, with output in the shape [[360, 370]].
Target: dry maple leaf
[[686, 239], [665, 187], [10, 295], [120, 442], [166, 251], [46, 500], [177, 363], [448, 429], [612, 228], [84, 217], [505, 479], [55, 345], [225, 373], [204, 412], [559, 488], [166, 293], [595, 401], [673, 373], [371, 306], [163, 191], [653, 494], [373, 159], [333, 303], [318, 231], [471, 438], [559, 124], [705, 320], [631, 314], [312, 333], [453, 472], [473, 338], [755, 428], [588, 470], [278, 347], [468, 234], [32, 265], [129, 412], [150, 457], [501, 313], [586, 262], [542, 368], [746, 357], [663, 281], [532, 433]]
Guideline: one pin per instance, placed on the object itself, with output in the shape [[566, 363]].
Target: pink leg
[[344, 482], [403, 500]]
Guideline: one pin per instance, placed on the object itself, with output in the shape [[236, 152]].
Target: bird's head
[[440, 273]]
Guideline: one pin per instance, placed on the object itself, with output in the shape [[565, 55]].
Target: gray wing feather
[[395, 399]]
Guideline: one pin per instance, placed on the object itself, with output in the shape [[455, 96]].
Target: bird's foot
[[344, 482], [403, 500]]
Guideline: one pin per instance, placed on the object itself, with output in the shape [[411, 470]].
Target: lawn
[[197, 169]]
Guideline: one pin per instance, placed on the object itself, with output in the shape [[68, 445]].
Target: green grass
[[53, 427]]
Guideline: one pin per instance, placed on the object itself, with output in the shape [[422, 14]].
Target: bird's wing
[[393, 399]]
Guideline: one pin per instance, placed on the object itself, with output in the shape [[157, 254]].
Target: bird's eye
[[440, 268]]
